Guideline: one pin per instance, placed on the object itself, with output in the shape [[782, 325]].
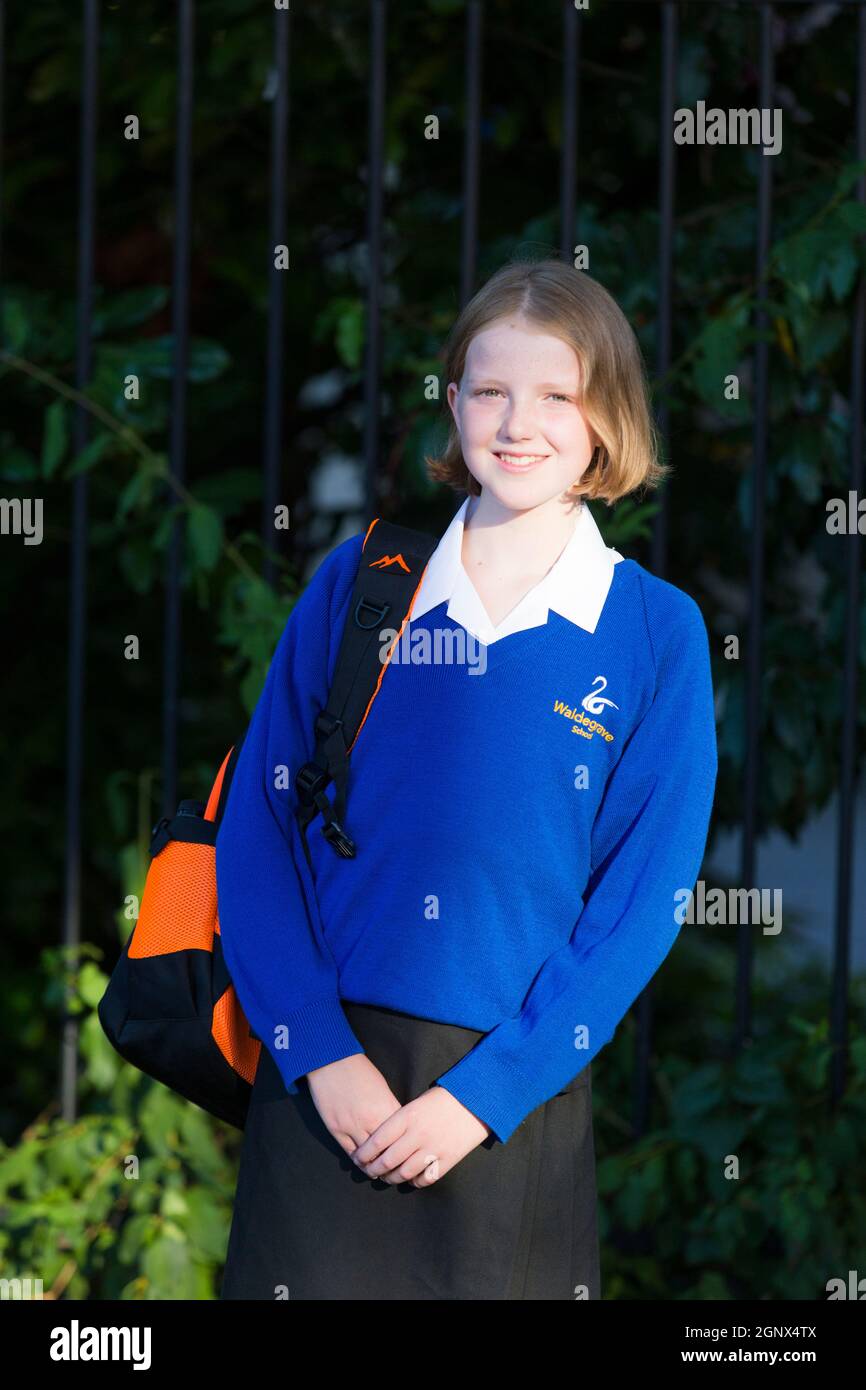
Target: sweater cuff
[[492, 1089], [318, 1034]]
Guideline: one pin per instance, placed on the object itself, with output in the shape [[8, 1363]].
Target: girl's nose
[[518, 424]]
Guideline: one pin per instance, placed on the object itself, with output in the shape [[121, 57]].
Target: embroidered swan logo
[[594, 701]]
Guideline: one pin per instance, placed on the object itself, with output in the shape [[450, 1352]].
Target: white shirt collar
[[575, 586]]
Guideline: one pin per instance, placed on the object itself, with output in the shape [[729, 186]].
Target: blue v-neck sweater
[[524, 855]]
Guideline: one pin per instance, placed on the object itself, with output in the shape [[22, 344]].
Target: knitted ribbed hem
[[319, 1033], [492, 1089]]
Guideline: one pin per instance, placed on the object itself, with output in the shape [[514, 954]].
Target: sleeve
[[648, 842], [283, 971]]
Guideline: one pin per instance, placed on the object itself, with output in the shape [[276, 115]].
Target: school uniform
[[530, 803]]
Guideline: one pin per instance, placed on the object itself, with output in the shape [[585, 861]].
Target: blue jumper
[[525, 852]]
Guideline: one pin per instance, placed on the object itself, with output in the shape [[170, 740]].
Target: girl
[[531, 817]]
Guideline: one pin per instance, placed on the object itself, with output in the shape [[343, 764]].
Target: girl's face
[[523, 434]]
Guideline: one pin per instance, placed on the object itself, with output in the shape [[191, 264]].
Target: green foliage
[[133, 1201], [744, 1185]]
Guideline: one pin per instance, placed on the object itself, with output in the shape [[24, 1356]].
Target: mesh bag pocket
[[178, 909]]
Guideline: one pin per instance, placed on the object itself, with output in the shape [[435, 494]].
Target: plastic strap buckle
[[159, 835], [310, 781]]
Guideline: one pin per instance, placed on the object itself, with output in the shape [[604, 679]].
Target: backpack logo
[[387, 560]]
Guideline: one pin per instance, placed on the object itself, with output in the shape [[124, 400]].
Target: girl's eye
[[482, 391]]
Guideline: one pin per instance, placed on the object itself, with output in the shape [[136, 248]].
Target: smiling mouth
[[518, 462]]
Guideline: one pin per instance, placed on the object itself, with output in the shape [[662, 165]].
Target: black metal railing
[[575, 41]]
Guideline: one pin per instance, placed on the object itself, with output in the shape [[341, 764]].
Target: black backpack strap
[[391, 567]]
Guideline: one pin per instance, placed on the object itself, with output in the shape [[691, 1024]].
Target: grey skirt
[[509, 1221]]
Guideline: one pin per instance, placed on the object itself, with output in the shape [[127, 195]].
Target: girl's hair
[[615, 396]]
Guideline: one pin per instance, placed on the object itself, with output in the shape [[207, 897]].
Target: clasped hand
[[418, 1142]]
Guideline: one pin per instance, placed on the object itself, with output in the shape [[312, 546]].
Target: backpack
[[170, 1007]]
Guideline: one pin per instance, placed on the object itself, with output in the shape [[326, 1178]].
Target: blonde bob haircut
[[615, 397]]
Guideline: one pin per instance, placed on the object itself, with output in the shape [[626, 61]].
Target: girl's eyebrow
[[542, 385]]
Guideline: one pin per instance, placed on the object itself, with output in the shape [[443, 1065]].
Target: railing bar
[[667, 193], [177, 442], [848, 749], [274, 386], [754, 652], [471, 150], [375, 179], [568, 201], [77, 608]]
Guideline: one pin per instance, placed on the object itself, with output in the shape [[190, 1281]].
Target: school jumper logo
[[387, 560], [594, 702]]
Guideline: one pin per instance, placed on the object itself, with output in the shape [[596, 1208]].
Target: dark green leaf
[[128, 308], [90, 455], [17, 464], [349, 336], [205, 534], [719, 352], [54, 437]]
